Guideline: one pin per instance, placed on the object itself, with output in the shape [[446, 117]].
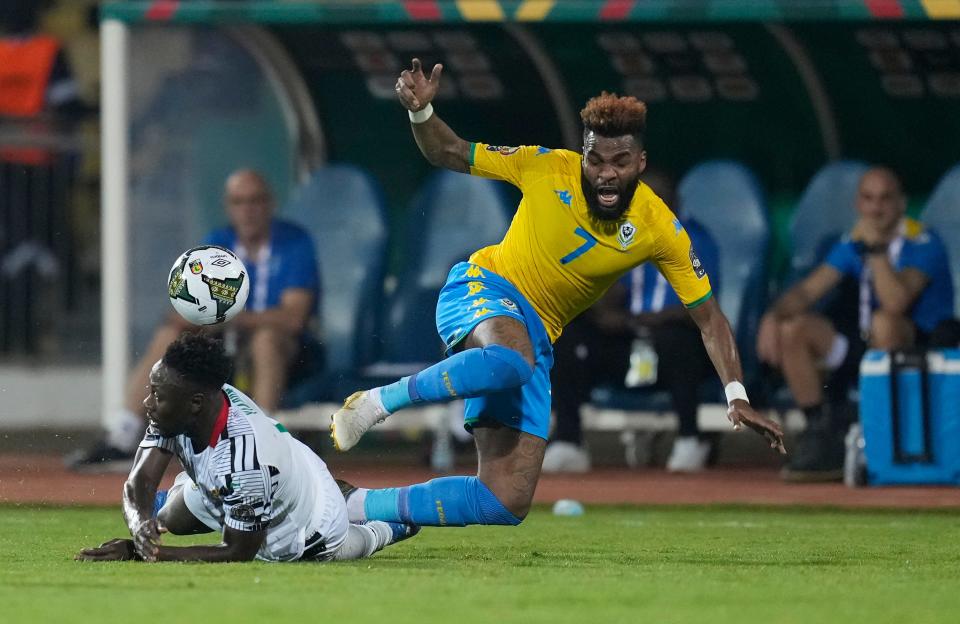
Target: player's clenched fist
[[414, 89]]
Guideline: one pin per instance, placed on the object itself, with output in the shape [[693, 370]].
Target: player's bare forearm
[[218, 553], [140, 488], [441, 146], [236, 546], [718, 340]]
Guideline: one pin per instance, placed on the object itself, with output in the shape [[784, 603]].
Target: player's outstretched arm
[[437, 142], [722, 349], [236, 546]]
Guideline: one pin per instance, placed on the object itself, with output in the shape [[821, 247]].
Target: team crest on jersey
[[503, 150], [243, 513], [196, 267], [564, 196], [697, 265], [626, 234]]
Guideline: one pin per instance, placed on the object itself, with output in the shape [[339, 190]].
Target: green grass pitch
[[614, 564]]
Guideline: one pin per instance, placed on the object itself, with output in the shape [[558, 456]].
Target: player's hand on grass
[[146, 539], [414, 89], [115, 550], [740, 414]]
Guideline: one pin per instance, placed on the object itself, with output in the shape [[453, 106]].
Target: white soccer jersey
[[257, 476]]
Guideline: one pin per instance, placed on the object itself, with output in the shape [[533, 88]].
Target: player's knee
[[792, 333], [504, 509], [512, 368]]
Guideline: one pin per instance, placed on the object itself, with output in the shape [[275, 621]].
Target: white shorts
[[195, 502]]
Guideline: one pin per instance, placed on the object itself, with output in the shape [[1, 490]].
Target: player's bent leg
[[498, 356], [509, 465], [500, 494]]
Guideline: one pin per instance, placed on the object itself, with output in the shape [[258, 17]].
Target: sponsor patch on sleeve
[[503, 150], [696, 264]]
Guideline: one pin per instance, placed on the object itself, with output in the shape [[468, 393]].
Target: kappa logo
[[626, 234], [196, 267], [474, 287], [543, 150], [479, 301], [474, 272], [677, 228], [481, 312], [564, 196], [696, 264]]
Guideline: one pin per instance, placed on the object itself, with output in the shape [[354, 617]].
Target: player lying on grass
[[244, 475], [584, 220]]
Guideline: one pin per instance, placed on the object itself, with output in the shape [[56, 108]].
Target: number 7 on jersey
[[589, 242]]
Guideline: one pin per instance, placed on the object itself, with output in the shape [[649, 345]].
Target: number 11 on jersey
[[589, 241]]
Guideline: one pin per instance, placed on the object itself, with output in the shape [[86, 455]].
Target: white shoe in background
[[565, 457], [689, 454]]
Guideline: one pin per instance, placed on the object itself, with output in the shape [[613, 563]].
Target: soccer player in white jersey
[[244, 475]]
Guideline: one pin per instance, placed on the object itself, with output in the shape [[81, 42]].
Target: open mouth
[[608, 196]]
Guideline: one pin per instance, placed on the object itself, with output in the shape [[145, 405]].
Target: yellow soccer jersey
[[559, 257]]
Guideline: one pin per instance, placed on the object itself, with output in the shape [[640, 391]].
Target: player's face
[[249, 206], [611, 170], [169, 404], [879, 200]]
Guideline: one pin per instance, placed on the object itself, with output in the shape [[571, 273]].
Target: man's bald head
[[880, 198], [249, 204]]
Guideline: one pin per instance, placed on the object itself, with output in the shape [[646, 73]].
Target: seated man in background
[[284, 291], [893, 289], [638, 332]]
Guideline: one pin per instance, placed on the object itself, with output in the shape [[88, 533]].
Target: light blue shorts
[[471, 295]]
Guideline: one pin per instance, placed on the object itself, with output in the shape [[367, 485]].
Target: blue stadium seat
[[451, 217], [942, 214], [726, 199], [823, 214], [342, 208]]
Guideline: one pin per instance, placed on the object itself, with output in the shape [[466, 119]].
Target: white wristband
[[421, 115], [735, 390]]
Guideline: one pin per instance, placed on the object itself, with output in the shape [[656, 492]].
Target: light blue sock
[[447, 501], [470, 373]]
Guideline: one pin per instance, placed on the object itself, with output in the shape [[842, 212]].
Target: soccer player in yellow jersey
[[584, 220]]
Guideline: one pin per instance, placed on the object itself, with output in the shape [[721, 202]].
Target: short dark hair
[[611, 115], [201, 359]]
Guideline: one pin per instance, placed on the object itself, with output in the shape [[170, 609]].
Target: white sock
[[362, 541], [126, 430], [355, 506], [377, 399]]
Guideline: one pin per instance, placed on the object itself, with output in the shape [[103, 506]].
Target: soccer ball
[[208, 285]]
